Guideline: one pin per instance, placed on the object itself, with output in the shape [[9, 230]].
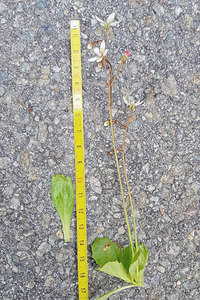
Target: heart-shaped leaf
[[103, 251]]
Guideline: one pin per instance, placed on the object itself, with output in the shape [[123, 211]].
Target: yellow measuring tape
[[79, 159]]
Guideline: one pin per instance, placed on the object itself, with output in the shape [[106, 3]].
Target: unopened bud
[[100, 65], [132, 105], [123, 59], [107, 123], [107, 26], [90, 45], [111, 152], [127, 54]]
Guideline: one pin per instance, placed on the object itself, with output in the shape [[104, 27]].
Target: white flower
[[100, 53], [109, 22], [129, 100]]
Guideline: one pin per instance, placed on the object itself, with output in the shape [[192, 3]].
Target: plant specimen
[[127, 263], [62, 194]]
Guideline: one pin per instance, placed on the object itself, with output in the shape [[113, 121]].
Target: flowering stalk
[[110, 83], [116, 157], [126, 177]]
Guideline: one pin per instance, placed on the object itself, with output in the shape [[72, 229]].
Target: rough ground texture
[[162, 148]]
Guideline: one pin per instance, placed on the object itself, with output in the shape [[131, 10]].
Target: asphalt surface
[[162, 145]]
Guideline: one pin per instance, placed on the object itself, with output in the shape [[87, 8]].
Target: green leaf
[[143, 257], [116, 269], [104, 251], [127, 258], [137, 267], [136, 274], [62, 194]]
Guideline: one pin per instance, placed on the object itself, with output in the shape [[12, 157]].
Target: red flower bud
[[127, 54]]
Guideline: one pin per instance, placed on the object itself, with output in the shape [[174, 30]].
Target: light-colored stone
[[161, 269], [4, 162], [46, 220], [100, 230], [15, 202], [95, 185], [169, 86], [121, 230], [133, 68], [15, 269], [48, 281], [43, 248], [59, 234], [3, 7], [26, 158], [146, 168], [42, 132], [44, 78]]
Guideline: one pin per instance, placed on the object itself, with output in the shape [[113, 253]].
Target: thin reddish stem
[[104, 60]]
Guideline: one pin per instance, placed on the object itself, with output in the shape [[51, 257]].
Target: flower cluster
[[100, 53]]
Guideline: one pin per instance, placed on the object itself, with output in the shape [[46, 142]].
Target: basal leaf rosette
[[127, 265]]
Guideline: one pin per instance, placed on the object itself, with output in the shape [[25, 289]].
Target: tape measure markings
[[79, 159]]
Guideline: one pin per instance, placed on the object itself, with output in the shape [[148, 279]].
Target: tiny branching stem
[[116, 121], [108, 80], [118, 70], [110, 67], [126, 178]]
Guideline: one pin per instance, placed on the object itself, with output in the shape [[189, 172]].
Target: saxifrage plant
[[128, 263]]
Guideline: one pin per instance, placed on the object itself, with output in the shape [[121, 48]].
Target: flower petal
[[111, 18], [96, 50], [92, 59], [115, 23], [105, 52], [102, 46], [101, 21], [99, 59], [139, 103], [128, 99]]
